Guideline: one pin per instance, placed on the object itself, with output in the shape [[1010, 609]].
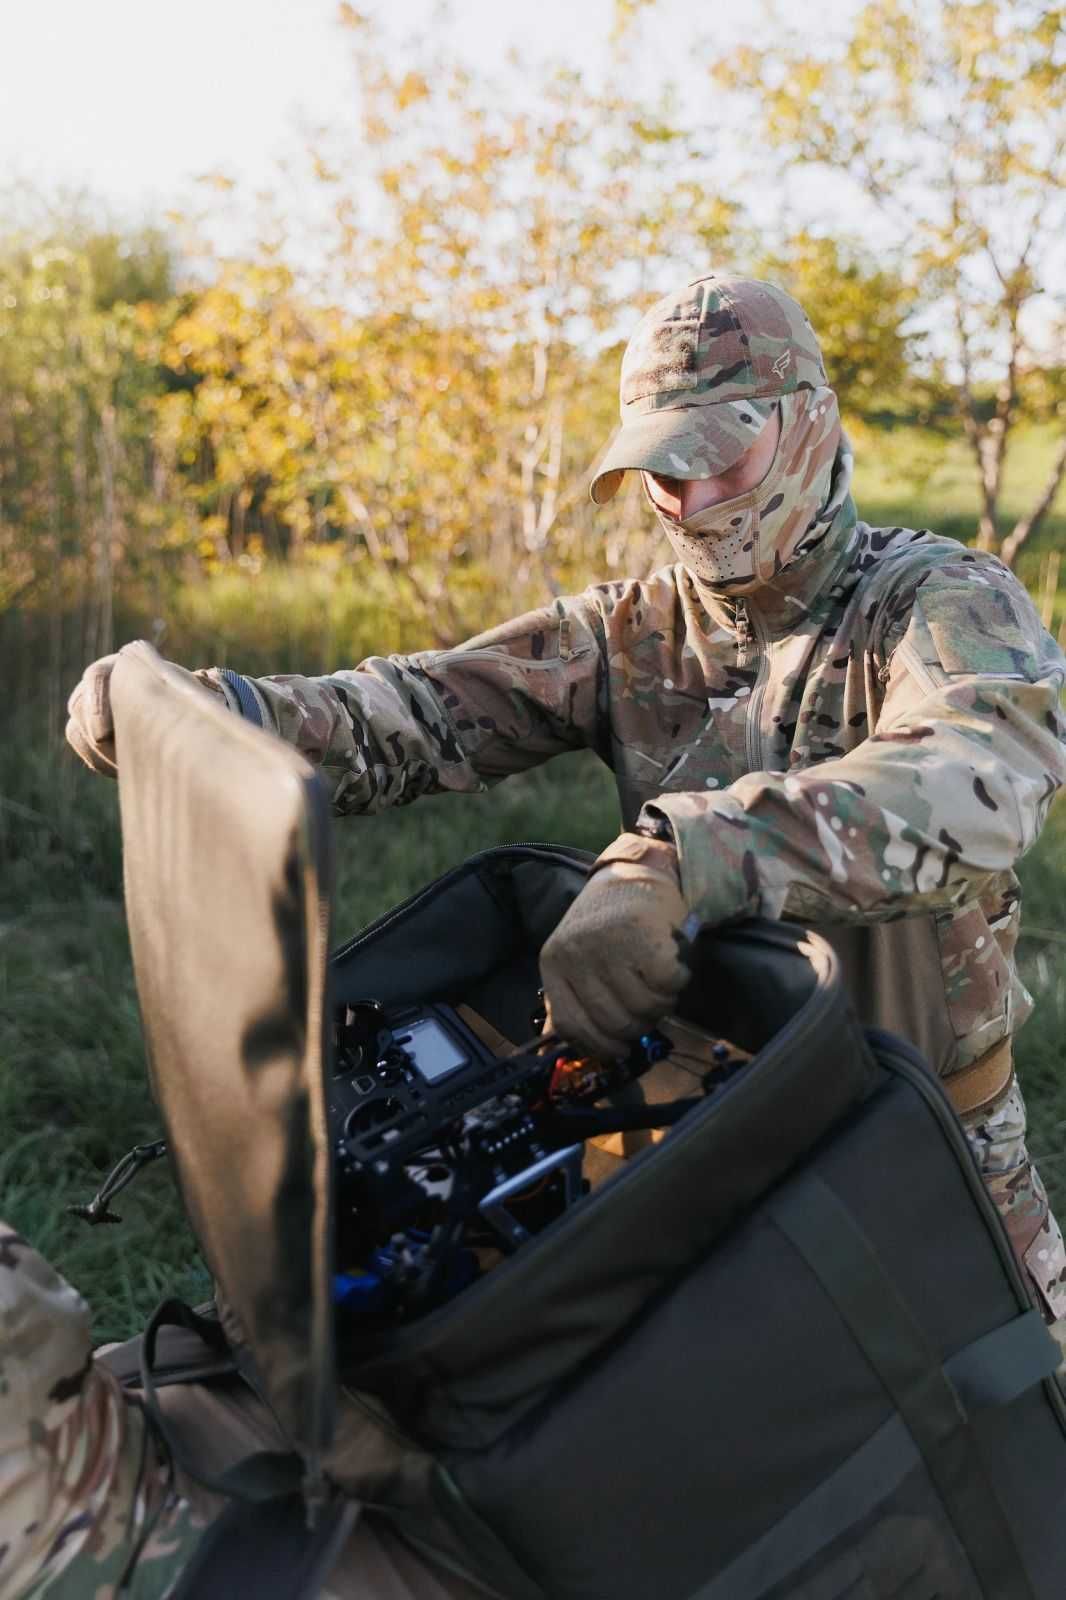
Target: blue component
[[362, 1291], [654, 1046], [371, 1291], [245, 698]]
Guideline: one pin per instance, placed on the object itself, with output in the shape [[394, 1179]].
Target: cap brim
[[682, 442]]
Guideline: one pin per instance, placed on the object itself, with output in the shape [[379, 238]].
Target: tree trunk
[[105, 446], [54, 686], [989, 443], [1025, 527]]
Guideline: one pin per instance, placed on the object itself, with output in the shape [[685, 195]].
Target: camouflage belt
[[983, 1081]]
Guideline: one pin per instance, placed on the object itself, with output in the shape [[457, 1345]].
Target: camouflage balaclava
[[740, 544], [701, 376]]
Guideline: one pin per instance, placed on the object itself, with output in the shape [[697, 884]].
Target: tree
[[859, 308], [75, 432], [949, 116], [430, 398]]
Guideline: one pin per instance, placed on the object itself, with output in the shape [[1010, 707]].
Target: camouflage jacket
[[873, 736], [86, 1492]]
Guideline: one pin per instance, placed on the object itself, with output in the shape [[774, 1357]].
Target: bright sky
[[132, 99]]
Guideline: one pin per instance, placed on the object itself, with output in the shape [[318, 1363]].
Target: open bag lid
[[227, 862]]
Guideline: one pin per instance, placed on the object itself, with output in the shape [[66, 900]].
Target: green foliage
[[419, 412], [859, 309], [75, 422], [129, 268]]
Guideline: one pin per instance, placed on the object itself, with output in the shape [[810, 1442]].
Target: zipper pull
[[743, 625], [98, 1210]]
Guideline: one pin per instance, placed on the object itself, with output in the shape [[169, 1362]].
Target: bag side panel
[[742, 1391]]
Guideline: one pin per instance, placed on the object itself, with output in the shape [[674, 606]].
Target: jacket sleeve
[[84, 1485], [396, 727], [951, 787]]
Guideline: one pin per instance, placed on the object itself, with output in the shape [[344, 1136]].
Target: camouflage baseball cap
[[701, 376]]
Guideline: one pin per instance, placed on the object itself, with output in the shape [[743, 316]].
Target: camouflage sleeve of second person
[[89, 1504], [951, 787], [396, 727]]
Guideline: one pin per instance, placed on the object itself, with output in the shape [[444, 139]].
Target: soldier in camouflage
[[806, 716]]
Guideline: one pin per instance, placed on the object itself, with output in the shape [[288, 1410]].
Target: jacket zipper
[[753, 641]]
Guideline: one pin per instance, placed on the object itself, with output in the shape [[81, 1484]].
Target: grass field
[[72, 1086]]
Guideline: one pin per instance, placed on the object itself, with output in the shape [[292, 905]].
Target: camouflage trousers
[[997, 1138]]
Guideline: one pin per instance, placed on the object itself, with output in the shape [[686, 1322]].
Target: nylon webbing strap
[[821, 1228], [992, 1371], [997, 1368], [263, 1475], [855, 1489]]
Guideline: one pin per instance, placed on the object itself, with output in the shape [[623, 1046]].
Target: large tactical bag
[[787, 1351]]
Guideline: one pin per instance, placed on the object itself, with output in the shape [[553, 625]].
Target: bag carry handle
[[265, 1542], [262, 1475]]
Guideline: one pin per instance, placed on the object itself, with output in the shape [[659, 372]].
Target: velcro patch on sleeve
[[978, 628]]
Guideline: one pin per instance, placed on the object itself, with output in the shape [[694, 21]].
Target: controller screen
[[435, 1054]]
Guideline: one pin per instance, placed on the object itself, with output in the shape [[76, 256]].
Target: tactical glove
[[90, 730], [612, 967]]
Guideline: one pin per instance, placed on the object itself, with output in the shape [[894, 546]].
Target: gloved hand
[[612, 967], [90, 730]]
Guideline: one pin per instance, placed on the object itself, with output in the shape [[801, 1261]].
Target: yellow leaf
[[411, 88]]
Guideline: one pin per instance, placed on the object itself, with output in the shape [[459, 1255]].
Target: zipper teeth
[[566, 852], [754, 735]]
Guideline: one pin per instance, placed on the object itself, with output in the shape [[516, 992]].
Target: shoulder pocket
[[978, 628]]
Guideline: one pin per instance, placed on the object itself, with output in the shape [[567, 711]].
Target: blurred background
[[310, 321]]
